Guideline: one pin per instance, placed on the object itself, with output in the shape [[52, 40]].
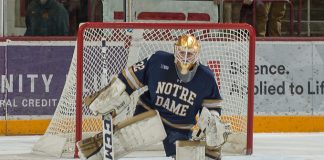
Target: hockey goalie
[[181, 107]]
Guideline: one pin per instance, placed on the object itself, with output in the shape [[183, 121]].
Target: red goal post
[[228, 49]]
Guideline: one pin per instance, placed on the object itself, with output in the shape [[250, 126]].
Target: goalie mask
[[186, 53]]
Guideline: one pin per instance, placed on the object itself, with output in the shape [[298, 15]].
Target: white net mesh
[[225, 51]]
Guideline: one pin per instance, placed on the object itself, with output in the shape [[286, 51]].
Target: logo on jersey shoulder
[[165, 67]]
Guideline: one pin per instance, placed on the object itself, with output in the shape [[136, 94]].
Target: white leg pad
[[139, 131], [193, 150], [50, 144]]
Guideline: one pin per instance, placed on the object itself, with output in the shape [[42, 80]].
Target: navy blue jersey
[[176, 101]]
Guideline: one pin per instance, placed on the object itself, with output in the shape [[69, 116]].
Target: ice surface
[[274, 146]]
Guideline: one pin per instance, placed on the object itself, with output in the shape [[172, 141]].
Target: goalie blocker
[[111, 98]]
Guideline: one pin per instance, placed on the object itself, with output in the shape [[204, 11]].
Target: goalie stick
[[107, 127], [108, 137], [107, 119]]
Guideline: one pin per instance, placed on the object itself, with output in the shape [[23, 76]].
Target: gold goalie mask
[[186, 53]]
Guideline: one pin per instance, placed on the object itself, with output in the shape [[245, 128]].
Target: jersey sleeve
[[213, 100], [135, 76]]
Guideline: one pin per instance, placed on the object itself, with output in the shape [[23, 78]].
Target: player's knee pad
[[139, 131], [197, 150], [193, 150]]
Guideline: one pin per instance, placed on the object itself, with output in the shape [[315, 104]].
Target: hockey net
[[228, 49]]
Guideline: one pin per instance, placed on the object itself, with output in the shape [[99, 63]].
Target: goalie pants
[[173, 135]]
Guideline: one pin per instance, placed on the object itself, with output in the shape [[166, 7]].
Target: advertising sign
[[2, 72], [289, 78], [34, 78]]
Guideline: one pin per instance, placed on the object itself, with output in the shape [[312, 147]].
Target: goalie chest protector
[[176, 101]]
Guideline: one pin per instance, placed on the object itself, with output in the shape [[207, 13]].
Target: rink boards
[[289, 85]]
